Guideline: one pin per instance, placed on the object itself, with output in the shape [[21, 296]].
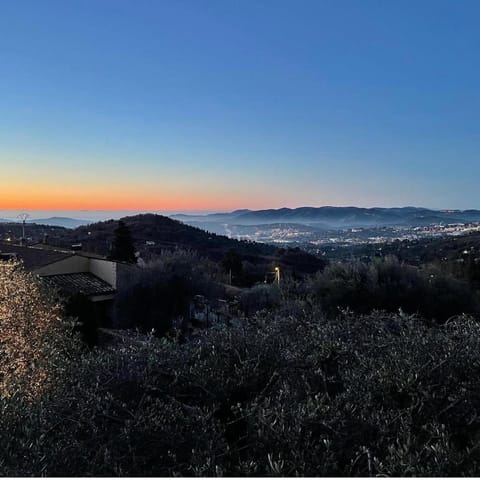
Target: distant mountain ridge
[[60, 222], [340, 216], [65, 222]]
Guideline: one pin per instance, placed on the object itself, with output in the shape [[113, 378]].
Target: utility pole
[[23, 217]]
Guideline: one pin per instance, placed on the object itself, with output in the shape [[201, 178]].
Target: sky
[[224, 104]]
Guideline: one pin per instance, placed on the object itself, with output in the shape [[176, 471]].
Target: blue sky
[[228, 104]]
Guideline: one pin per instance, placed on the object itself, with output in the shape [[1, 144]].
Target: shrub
[[388, 285], [32, 334], [288, 392], [259, 297], [163, 290], [362, 395]]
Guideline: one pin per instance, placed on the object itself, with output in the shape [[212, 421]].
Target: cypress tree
[[122, 246]]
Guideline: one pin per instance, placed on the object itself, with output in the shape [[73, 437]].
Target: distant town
[[303, 237]]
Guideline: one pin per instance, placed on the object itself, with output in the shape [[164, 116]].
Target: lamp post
[[277, 275]]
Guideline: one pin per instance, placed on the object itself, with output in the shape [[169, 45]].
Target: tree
[[122, 247], [31, 334]]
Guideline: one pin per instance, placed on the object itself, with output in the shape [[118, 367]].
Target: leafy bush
[[259, 297], [163, 290], [389, 285], [380, 394], [32, 335], [290, 392]]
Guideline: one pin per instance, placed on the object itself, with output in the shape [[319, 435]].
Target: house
[[73, 272]]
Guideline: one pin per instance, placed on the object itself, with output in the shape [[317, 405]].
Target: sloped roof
[[33, 257], [85, 282]]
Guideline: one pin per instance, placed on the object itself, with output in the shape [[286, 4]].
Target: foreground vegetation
[[292, 390]]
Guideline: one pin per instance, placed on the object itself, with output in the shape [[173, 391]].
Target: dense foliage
[[32, 334], [387, 284], [122, 245], [161, 292], [289, 390]]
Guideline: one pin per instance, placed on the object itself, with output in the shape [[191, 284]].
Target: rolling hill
[[153, 233]]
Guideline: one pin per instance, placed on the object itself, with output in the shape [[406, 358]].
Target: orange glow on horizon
[[95, 198]]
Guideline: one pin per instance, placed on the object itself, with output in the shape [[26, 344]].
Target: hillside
[[414, 252], [165, 233], [437, 249], [34, 232]]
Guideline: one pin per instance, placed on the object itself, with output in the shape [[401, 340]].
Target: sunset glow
[[204, 105]]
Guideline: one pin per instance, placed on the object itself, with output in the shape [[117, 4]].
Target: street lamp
[[277, 275]]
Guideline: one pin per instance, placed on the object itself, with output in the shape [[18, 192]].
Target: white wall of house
[[104, 269]]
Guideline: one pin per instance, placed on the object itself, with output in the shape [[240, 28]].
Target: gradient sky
[[223, 104]]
